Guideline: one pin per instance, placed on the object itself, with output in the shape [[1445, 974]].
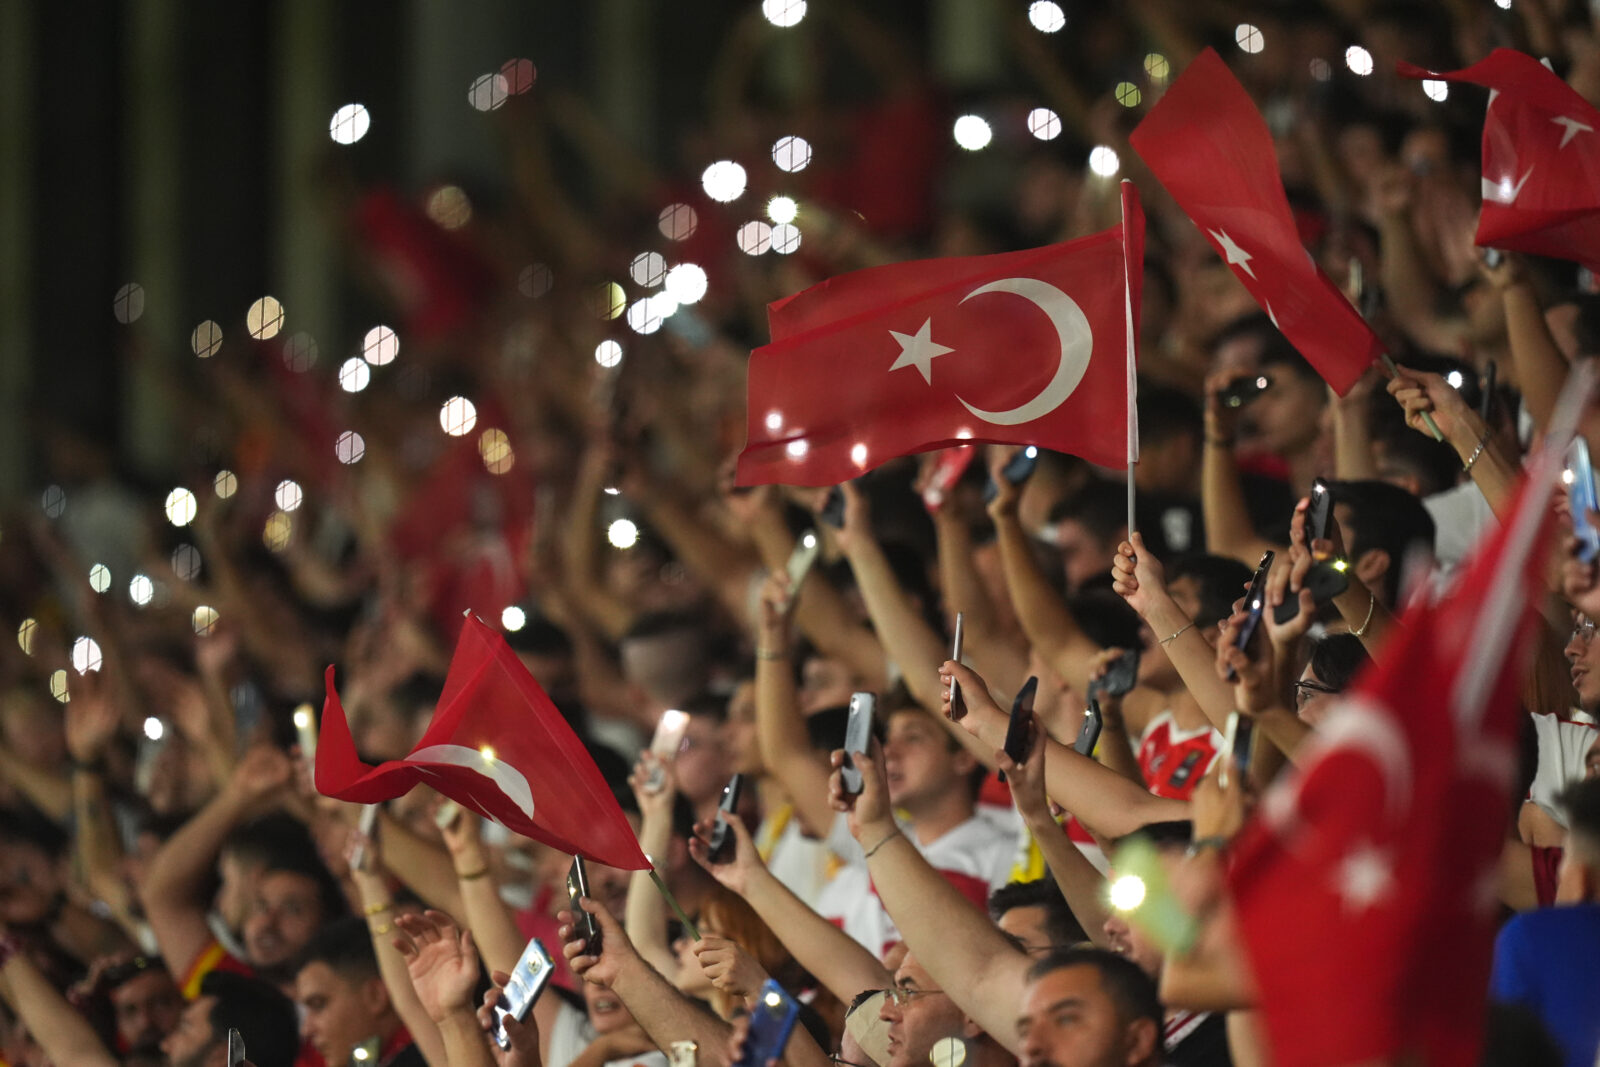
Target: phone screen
[[366, 828], [1019, 730], [771, 1023], [857, 737], [235, 1048], [801, 560], [1582, 497], [1121, 676], [528, 980], [958, 703], [1319, 512], [585, 924]]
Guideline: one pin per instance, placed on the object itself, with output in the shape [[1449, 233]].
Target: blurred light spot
[[972, 133], [488, 91], [141, 589], [25, 635], [449, 207], [86, 655], [354, 374], [128, 304], [265, 318], [1568, 476], [380, 346], [797, 448], [153, 728], [782, 209], [1358, 59], [784, 13], [1103, 161], [1127, 892], [457, 416], [288, 495], [1248, 38], [99, 577], [677, 222], [180, 507], [607, 300], [612, 490], [535, 280], [349, 447], [58, 685], [300, 353], [206, 339], [754, 237], [791, 153], [608, 354], [225, 484], [1503, 5], [1455, 378], [1156, 67], [786, 239], [686, 283], [1438, 91], [519, 75], [54, 501], [204, 620], [1321, 69], [1044, 124], [1128, 94], [513, 619], [644, 316], [648, 269], [303, 719], [494, 447], [723, 181], [622, 533], [858, 454], [1046, 16], [278, 530], [186, 562], [487, 752], [349, 124], [964, 434]]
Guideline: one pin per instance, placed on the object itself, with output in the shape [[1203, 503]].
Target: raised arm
[[377, 904], [998, 652], [59, 1028], [780, 731], [1540, 366], [443, 964], [646, 915], [1222, 500]]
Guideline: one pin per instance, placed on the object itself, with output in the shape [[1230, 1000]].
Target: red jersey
[[1173, 760]]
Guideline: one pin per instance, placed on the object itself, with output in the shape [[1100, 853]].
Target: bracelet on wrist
[[1372, 604], [472, 876], [381, 929], [1179, 632], [1216, 841], [771, 653], [1483, 442], [890, 836]]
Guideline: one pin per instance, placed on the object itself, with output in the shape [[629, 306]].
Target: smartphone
[[1240, 391], [1326, 580], [305, 732], [1254, 601], [801, 561], [719, 849], [1018, 469], [528, 980], [1319, 513], [832, 511], [235, 1048], [583, 924], [668, 739], [1089, 732], [958, 703], [1120, 677], [771, 1023], [367, 827], [447, 814], [857, 738], [947, 471], [1019, 731], [1581, 496]]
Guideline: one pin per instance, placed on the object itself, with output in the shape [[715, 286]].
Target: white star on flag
[[1364, 877], [1237, 257], [918, 350], [1570, 128]]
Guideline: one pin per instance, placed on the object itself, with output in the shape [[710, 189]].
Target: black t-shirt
[[1205, 1044]]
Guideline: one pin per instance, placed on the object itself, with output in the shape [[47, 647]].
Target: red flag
[[1541, 159], [1022, 347], [1366, 887], [1209, 147], [497, 746]]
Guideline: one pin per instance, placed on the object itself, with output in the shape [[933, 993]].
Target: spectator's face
[[337, 1014], [1127, 941], [1083, 555], [29, 883], [239, 876], [918, 1014], [284, 915], [1311, 698], [920, 762], [739, 732], [1026, 923], [147, 1009], [1068, 1020], [702, 764], [194, 1043], [1288, 416], [1583, 653], [606, 1013]]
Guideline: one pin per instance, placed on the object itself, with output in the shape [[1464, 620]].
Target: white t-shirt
[[1563, 743], [572, 1033], [798, 861]]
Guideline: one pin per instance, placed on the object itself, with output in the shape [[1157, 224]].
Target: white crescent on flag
[[502, 774], [1073, 334]]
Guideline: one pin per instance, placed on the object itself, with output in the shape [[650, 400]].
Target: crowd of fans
[[168, 873]]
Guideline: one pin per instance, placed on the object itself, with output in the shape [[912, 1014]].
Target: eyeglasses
[[835, 1058], [905, 994], [1583, 630], [1305, 691]]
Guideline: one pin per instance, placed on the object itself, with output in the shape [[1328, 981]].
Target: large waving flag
[[1541, 159], [1366, 886], [497, 746], [1209, 147], [1029, 347]]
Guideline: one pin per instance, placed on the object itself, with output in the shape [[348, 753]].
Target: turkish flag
[[1366, 884], [1541, 159], [1025, 347], [1209, 147], [497, 746]]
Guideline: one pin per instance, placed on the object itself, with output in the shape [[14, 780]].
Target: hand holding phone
[[584, 925], [832, 511], [1120, 677], [1581, 496], [1255, 601], [1241, 391], [857, 738], [1018, 469], [719, 847], [527, 981], [1019, 731], [668, 739], [800, 563], [365, 831], [1089, 732], [236, 1051], [958, 703], [771, 1022]]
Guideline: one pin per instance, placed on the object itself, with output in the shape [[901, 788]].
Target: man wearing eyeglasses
[[920, 1014]]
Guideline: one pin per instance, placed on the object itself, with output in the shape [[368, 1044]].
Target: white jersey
[[1563, 743]]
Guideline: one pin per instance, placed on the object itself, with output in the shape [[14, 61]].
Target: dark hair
[[1384, 517], [1101, 507], [825, 728], [540, 637], [1252, 326], [346, 947], [1130, 989], [1166, 413], [1587, 329], [1337, 658], [25, 825], [1581, 802], [1059, 922], [1168, 834], [1106, 618], [264, 1017], [1218, 580], [707, 706]]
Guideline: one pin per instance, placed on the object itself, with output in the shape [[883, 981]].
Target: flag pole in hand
[[672, 902], [1427, 416], [1132, 280]]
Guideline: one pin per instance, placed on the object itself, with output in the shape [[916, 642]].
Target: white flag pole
[[1129, 193]]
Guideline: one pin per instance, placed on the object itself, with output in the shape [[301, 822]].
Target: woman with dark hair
[[1335, 661]]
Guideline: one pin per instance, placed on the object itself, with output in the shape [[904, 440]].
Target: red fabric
[[439, 281], [538, 780], [1044, 361], [308, 1056], [1546, 874], [1541, 159], [1379, 857], [1209, 147]]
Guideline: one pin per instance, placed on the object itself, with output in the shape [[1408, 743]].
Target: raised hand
[[729, 967], [744, 864], [1136, 574], [616, 950], [655, 785], [442, 961], [91, 717], [264, 770], [1027, 779], [871, 815], [523, 1035], [974, 690], [1421, 393]]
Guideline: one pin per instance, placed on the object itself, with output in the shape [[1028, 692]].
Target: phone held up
[[771, 1022], [528, 980], [1019, 731], [719, 846], [857, 738], [1254, 602], [583, 924], [958, 703]]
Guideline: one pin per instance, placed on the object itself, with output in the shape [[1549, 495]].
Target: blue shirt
[[1549, 961]]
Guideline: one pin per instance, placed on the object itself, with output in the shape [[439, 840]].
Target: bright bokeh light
[[204, 620], [1128, 94], [677, 222], [786, 239], [128, 304], [457, 416], [1249, 38], [226, 483], [354, 374], [488, 91], [774, 421], [181, 507], [1455, 379], [288, 495], [278, 531], [1156, 67], [380, 346], [349, 124], [153, 728], [519, 74], [784, 13], [622, 533], [1046, 16], [186, 562], [1044, 124], [608, 301], [1503, 5], [1103, 161], [608, 354], [648, 269], [99, 577], [644, 316], [449, 206], [350, 447], [86, 655], [513, 619], [58, 684], [858, 454], [1438, 91], [1358, 59], [973, 133], [141, 590], [686, 283], [494, 448], [206, 339], [791, 153], [26, 631], [755, 237], [797, 448], [782, 209], [265, 318], [723, 181], [1127, 892]]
